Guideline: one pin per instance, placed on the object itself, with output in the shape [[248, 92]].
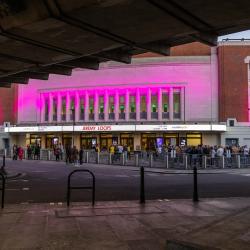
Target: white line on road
[[25, 189]]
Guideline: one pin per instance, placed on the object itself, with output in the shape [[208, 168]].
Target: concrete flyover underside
[[40, 37]]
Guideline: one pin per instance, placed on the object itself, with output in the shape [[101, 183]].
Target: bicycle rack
[[81, 187], [2, 189]]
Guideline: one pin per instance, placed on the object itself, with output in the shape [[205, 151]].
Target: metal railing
[[2, 189], [69, 187]]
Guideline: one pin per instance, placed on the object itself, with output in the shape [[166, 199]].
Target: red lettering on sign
[[104, 128], [89, 128]]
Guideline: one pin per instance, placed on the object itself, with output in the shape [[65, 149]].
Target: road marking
[[25, 189], [12, 189], [60, 203], [52, 203]]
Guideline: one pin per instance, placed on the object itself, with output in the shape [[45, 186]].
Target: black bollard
[[195, 191], [2, 189], [142, 190], [3, 161]]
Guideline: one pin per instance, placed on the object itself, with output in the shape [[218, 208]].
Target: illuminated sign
[[100, 128]]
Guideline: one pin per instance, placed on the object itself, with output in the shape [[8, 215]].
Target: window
[[165, 102], [81, 108], [122, 103], [72, 108], [63, 108], [177, 108], [91, 105], [46, 118], [101, 104], [194, 139], [154, 103], [54, 109], [111, 104], [143, 103], [132, 103]]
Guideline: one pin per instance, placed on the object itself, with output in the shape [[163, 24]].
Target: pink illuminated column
[[106, 106], [116, 105], [68, 107], [96, 106], [59, 107], [127, 105], [182, 103], [50, 108], [171, 104], [86, 108], [77, 106], [159, 104], [149, 104], [42, 108], [138, 104]]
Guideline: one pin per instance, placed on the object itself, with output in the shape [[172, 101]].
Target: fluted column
[[77, 107], [116, 105], [127, 105], [96, 106], [171, 104], [42, 110], [138, 105], [159, 104], [149, 110], [86, 107], [67, 107], [50, 108], [182, 104], [59, 107], [106, 106]]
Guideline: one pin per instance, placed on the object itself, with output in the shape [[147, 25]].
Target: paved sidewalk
[[220, 223]]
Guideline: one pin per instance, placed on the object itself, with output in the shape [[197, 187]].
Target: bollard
[[49, 155], [110, 159], [98, 158], [238, 161], [87, 157], [123, 159], [195, 191], [5, 152], [142, 189], [25, 154], [2, 189], [186, 161], [223, 161], [205, 161], [136, 160], [166, 159], [151, 160]]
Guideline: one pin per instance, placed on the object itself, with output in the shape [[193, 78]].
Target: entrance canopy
[[39, 37]]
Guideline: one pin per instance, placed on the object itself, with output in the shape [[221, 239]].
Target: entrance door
[[129, 142]]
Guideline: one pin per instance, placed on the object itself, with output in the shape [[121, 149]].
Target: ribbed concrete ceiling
[[39, 37]]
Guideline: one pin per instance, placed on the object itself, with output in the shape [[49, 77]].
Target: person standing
[[20, 153], [14, 149]]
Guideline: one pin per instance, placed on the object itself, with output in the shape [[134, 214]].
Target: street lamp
[[73, 129]]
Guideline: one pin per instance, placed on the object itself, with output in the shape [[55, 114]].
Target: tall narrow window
[[122, 107], [64, 108], [91, 108], [54, 109], [101, 107], [111, 107], [165, 105], [81, 108], [143, 106], [154, 106], [72, 108], [46, 118], [177, 105], [132, 107]]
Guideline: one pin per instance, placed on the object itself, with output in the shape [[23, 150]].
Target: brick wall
[[233, 82], [8, 108]]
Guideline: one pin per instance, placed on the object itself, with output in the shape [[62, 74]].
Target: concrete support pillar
[[68, 107], [50, 108], [171, 104], [149, 104], [96, 106], [106, 106], [182, 103], [86, 108], [138, 105], [77, 107], [116, 105], [42, 109], [127, 105], [59, 107], [160, 104]]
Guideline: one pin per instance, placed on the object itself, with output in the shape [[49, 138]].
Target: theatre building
[[152, 101]]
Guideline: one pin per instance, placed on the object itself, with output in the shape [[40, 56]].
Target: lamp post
[[73, 129]]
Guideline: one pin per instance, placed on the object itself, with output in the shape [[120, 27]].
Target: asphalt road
[[43, 181]]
